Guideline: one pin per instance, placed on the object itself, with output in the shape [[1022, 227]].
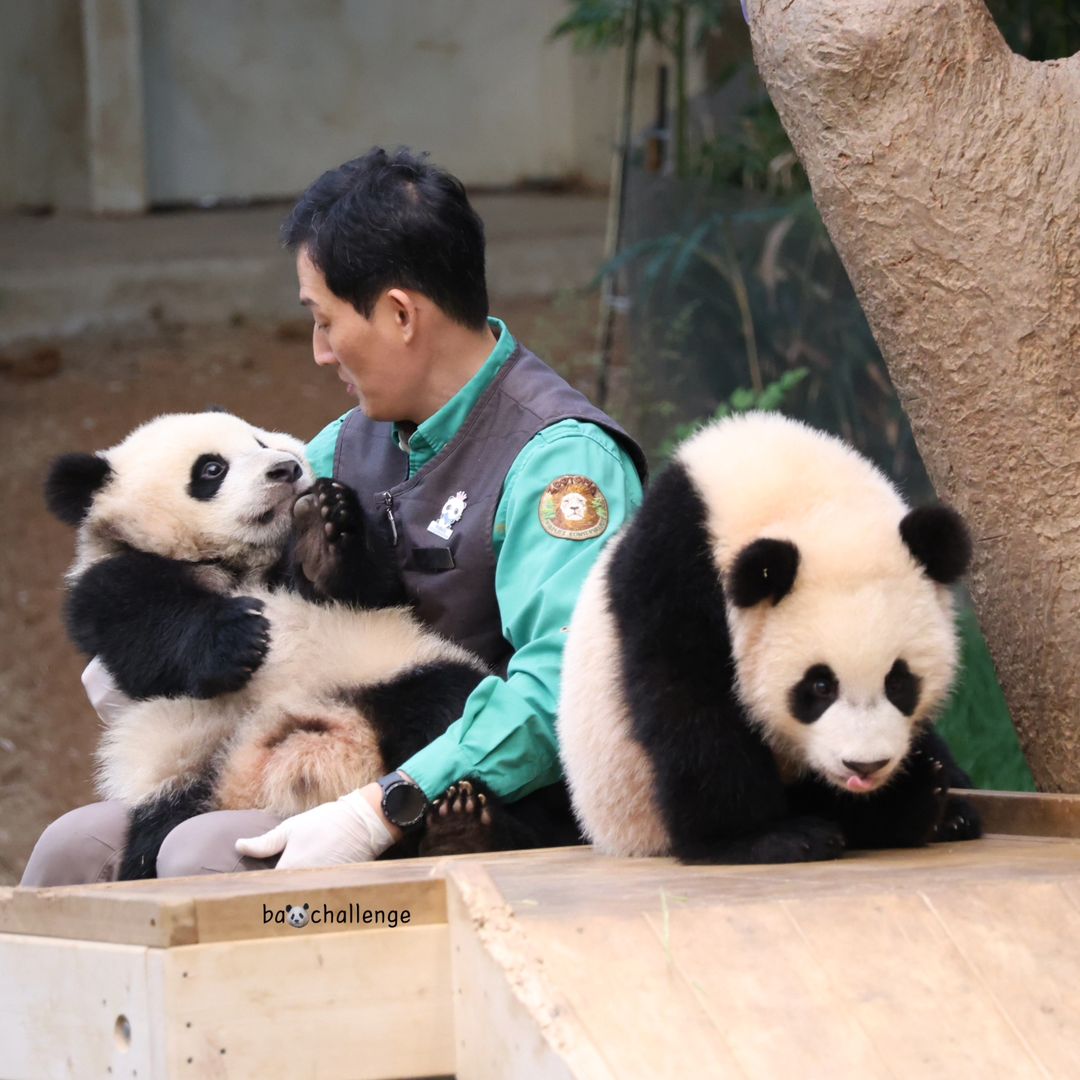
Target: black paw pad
[[461, 801], [461, 821], [338, 509]]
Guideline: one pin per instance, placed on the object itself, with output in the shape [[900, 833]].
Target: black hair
[[393, 220]]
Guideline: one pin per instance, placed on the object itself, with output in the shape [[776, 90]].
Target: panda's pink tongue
[[857, 783]]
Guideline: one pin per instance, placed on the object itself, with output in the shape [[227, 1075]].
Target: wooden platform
[[955, 960]]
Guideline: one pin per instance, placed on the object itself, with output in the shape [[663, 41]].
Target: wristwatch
[[403, 802]]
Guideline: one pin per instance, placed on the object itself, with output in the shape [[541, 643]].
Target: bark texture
[[947, 170]]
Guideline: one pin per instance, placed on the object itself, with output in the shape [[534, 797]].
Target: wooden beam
[[1024, 814]]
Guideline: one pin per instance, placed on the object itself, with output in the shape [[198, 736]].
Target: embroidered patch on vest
[[573, 508], [449, 516]]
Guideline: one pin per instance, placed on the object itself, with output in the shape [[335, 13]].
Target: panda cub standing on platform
[[755, 661], [258, 625]]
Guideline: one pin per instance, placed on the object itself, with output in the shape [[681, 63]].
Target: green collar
[[437, 430]]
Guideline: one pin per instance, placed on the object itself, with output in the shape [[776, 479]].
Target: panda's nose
[[866, 769], [284, 472]]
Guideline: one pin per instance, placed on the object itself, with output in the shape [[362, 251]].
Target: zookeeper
[[500, 481]]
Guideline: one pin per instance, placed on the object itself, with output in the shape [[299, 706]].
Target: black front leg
[[335, 556], [160, 633], [906, 812]]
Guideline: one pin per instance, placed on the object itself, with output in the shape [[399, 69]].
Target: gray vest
[[452, 581]]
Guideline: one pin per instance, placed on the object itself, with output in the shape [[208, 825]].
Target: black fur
[[160, 633], [410, 711], [909, 811], [902, 687], [764, 569], [939, 540], [809, 698], [72, 483], [152, 822], [207, 475]]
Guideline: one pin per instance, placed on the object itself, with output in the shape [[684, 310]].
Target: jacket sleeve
[[506, 735]]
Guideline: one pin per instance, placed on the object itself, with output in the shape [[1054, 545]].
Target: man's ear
[[72, 483], [403, 308]]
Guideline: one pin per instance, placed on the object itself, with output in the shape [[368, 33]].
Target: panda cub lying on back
[[753, 665], [255, 621]]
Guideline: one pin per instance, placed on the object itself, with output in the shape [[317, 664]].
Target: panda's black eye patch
[[813, 693], [207, 474], [902, 687]]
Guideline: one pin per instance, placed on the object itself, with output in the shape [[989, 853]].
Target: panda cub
[[755, 661], [257, 624]]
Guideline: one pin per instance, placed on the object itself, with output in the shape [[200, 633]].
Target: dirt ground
[[86, 394]]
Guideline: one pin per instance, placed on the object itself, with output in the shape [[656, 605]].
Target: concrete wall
[[247, 99], [42, 105], [250, 100]]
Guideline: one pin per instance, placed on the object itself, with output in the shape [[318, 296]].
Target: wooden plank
[[1021, 940], [508, 1020], [1025, 814], [76, 1009], [640, 1011], [549, 887], [759, 983], [219, 907], [184, 911], [358, 1004], [894, 970]]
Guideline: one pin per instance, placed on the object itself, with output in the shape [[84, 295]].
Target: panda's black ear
[[939, 540], [72, 483], [763, 570]]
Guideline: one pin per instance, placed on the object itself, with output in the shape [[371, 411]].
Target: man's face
[[369, 354]]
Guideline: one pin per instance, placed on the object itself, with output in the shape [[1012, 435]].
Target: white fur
[[611, 776], [860, 601]]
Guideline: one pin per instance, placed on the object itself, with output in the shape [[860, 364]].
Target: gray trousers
[[86, 845]]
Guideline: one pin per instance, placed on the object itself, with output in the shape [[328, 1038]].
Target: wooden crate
[[952, 960]]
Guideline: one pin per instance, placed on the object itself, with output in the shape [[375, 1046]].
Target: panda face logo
[[297, 916]]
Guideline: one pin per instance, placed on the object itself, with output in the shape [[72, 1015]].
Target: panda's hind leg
[[152, 821], [471, 818]]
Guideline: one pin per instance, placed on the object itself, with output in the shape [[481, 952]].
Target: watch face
[[404, 804]]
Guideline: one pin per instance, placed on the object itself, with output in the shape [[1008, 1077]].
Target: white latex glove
[[344, 831], [105, 696]]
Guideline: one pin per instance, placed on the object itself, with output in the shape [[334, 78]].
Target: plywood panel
[[360, 1004], [76, 1009], [1023, 942], [758, 981]]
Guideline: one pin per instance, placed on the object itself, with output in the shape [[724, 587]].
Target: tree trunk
[[947, 170]]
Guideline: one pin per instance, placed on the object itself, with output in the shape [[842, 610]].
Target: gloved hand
[[105, 696], [347, 830]]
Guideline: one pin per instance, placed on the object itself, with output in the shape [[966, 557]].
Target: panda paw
[[326, 520], [460, 822], [960, 821], [798, 839], [233, 644]]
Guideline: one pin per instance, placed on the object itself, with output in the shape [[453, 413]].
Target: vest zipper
[[388, 499]]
